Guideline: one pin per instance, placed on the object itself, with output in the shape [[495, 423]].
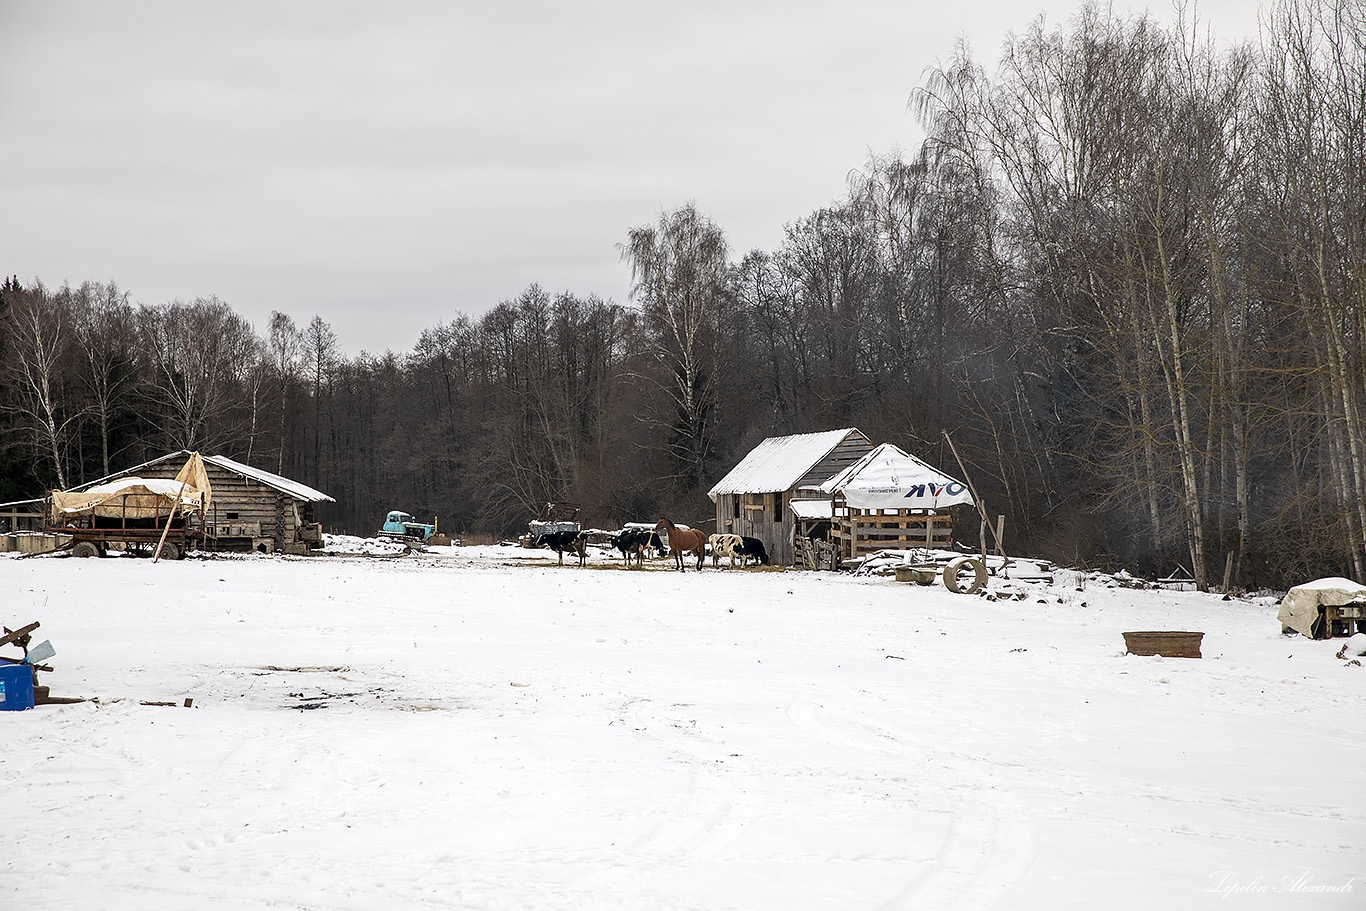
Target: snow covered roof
[[778, 463], [284, 485]]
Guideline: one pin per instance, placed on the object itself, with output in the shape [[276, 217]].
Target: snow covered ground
[[478, 728]]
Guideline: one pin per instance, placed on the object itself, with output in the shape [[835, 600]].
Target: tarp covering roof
[[1300, 606], [778, 463], [890, 478]]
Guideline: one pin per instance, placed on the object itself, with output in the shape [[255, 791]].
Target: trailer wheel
[[169, 551], [954, 571], [85, 549]]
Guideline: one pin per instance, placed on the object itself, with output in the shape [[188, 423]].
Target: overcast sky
[[390, 165]]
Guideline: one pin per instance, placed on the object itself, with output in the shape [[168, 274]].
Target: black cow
[[752, 547], [635, 541], [561, 541]]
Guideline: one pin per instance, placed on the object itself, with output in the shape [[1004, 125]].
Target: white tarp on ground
[[1300, 607], [137, 498], [891, 478]]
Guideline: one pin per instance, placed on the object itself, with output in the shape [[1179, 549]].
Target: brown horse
[[684, 540]]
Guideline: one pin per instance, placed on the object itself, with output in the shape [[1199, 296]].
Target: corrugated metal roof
[[274, 481], [779, 462], [284, 485]]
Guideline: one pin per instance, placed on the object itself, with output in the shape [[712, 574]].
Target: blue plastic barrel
[[16, 687]]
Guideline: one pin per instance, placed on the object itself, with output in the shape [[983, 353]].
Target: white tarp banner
[[890, 478], [1300, 607]]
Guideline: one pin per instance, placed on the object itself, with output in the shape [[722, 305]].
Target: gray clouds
[[389, 166]]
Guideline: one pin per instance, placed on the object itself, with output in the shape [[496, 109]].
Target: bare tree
[[195, 351], [681, 279], [39, 334], [285, 344], [320, 345], [105, 332]]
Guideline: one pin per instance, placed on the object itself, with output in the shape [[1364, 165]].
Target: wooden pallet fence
[[863, 532]]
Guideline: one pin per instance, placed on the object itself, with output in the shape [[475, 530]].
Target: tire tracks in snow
[[990, 843], [699, 824]]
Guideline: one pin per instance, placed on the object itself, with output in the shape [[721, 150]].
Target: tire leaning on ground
[[954, 570], [85, 549], [169, 551]]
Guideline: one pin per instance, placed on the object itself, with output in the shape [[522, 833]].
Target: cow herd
[[635, 543]]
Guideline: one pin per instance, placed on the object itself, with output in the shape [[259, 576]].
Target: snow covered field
[[478, 728]]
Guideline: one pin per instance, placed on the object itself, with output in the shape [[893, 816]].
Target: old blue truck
[[401, 526]]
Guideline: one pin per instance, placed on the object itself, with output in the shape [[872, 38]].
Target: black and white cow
[[635, 542], [560, 541], [723, 545]]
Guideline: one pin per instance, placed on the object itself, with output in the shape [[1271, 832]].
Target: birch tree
[[680, 277], [39, 336]]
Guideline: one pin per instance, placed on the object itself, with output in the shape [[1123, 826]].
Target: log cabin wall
[[239, 500]]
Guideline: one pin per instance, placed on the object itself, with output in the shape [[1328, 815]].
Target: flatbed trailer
[[95, 535], [92, 542]]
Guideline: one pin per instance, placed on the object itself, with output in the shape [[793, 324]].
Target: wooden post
[[1000, 535], [1228, 572], [982, 529], [183, 484], [853, 533], [981, 507]]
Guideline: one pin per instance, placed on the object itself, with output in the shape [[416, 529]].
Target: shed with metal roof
[[752, 499]]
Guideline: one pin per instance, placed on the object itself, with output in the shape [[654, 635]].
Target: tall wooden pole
[[174, 506], [976, 501]]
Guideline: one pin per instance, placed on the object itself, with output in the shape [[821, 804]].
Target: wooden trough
[[1168, 643]]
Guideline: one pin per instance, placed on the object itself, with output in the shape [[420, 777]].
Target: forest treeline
[[1127, 275]]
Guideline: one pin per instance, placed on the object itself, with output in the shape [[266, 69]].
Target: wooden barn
[[754, 496], [887, 500], [251, 509]]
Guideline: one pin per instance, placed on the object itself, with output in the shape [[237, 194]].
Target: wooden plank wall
[[764, 515], [761, 515]]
